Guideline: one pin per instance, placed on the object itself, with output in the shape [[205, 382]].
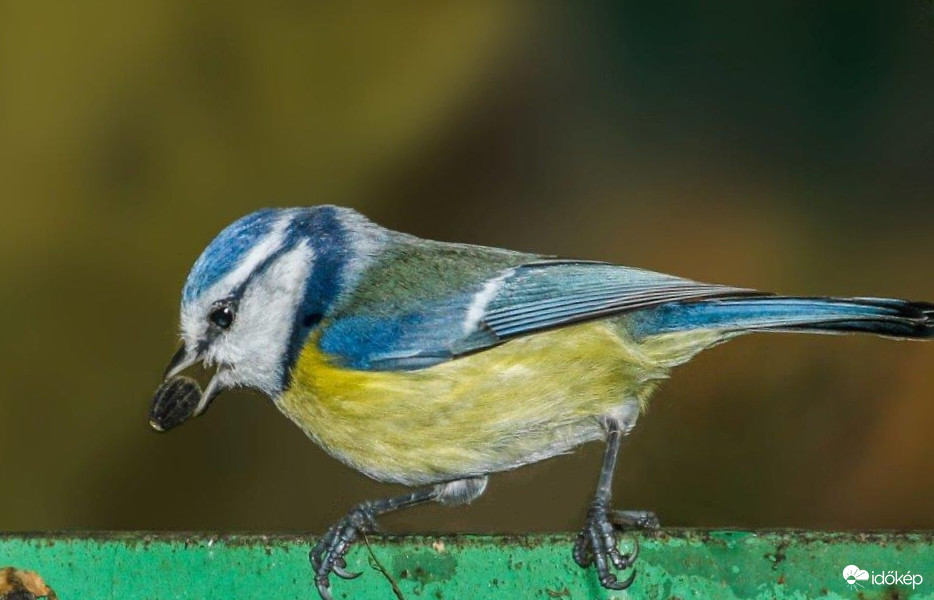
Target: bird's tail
[[880, 316]]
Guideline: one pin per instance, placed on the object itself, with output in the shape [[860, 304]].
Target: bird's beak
[[181, 360], [180, 398]]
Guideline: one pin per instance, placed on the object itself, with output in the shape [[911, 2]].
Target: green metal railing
[[673, 564]]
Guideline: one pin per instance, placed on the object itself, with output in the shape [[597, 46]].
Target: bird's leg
[[596, 543], [328, 554]]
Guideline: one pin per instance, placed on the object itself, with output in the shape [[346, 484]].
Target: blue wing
[[551, 294], [518, 301]]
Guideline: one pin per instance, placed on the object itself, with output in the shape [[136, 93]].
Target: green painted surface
[[674, 564]]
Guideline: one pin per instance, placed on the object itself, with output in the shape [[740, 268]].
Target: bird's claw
[[328, 554], [341, 571], [596, 545]]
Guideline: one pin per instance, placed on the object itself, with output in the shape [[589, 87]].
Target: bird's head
[[254, 295]]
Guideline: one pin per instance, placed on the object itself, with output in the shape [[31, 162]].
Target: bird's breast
[[519, 402]]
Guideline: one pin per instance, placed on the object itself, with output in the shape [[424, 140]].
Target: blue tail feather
[[879, 316]]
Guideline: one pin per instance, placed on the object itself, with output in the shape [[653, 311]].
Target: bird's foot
[[328, 554], [596, 543]]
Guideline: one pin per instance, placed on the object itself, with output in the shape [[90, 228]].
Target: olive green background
[[781, 145]]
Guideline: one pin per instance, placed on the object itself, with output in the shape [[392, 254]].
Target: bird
[[433, 365]]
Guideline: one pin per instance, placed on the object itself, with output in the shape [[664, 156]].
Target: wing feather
[[521, 300], [549, 294]]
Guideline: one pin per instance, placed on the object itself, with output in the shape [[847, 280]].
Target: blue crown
[[226, 251]]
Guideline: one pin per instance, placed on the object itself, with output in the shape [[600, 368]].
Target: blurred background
[[784, 145]]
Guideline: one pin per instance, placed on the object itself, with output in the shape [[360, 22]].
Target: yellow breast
[[522, 401]]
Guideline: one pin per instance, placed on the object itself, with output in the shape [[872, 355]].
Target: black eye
[[222, 316]]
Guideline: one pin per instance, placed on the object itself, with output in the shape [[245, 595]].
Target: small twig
[[374, 563]]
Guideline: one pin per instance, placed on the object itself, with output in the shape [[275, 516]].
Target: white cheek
[[257, 343]]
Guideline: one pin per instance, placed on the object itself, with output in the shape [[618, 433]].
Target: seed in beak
[[174, 403]]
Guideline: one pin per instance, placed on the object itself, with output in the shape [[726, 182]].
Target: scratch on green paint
[[673, 565], [425, 566]]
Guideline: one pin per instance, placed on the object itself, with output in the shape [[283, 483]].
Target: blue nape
[[321, 228]]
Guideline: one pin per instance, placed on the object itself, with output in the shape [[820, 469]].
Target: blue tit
[[432, 364]]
